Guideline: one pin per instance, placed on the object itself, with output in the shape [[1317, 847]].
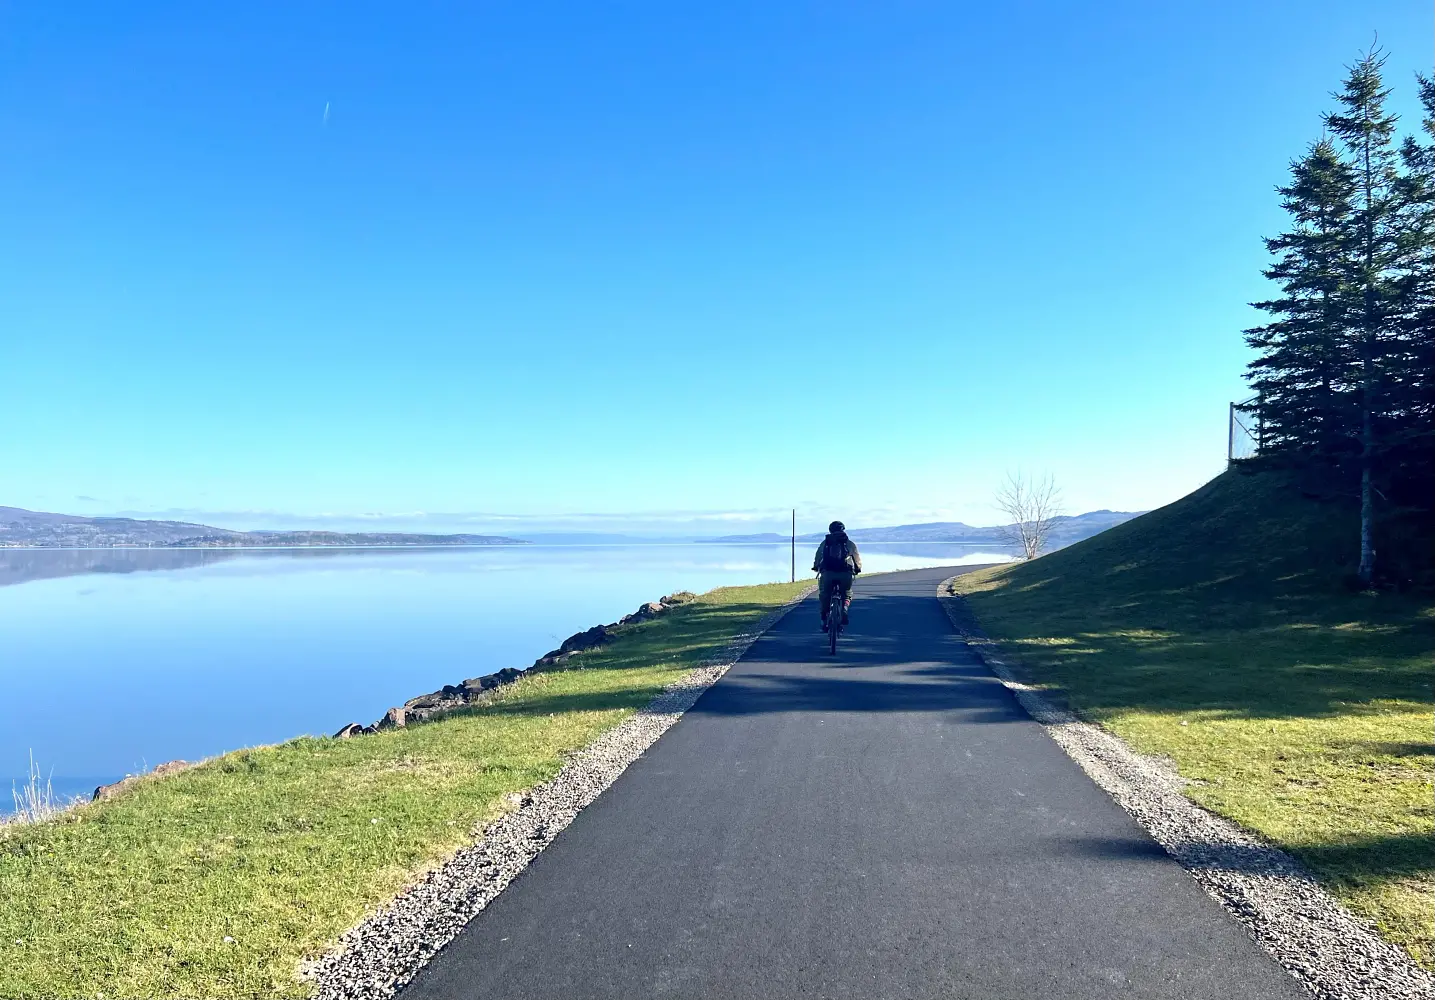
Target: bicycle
[[836, 612]]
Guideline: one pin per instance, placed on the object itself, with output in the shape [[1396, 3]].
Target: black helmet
[[835, 527]]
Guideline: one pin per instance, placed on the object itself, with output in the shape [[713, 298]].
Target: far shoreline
[[516, 543]]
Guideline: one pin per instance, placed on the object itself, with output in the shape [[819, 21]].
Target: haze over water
[[114, 660]]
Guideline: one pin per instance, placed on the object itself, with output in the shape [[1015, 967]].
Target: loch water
[[115, 660]]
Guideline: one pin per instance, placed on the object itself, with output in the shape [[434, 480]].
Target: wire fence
[[1243, 433]]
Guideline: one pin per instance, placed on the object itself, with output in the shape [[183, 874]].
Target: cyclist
[[837, 561]]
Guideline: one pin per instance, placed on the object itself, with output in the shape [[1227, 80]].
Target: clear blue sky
[[543, 259]]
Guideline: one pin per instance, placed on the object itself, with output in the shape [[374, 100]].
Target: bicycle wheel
[[834, 625]]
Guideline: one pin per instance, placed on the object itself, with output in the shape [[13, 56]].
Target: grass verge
[[1215, 632], [219, 881]]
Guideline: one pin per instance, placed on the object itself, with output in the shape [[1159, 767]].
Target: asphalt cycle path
[[884, 824]]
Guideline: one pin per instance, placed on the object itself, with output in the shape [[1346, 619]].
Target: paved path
[[889, 824]]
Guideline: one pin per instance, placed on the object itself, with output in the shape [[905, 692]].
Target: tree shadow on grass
[[1227, 601], [1395, 748], [574, 701], [1288, 662], [1374, 858]]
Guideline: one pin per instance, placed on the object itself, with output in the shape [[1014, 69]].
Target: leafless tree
[[1031, 505]]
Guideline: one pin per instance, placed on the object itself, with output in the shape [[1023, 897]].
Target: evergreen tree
[[1378, 252], [1303, 375], [1346, 365], [1412, 449]]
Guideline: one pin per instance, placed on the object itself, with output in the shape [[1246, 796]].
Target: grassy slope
[[1215, 631], [284, 847]]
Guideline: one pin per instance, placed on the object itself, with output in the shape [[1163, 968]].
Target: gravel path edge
[[1329, 950], [383, 952]]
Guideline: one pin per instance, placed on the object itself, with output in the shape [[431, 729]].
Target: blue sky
[[640, 262]]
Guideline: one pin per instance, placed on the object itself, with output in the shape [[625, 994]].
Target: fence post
[[1231, 434]]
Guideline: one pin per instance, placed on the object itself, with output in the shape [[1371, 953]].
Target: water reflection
[[167, 653], [24, 565], [19, 565]]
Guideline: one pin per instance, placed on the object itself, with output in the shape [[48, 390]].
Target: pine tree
[[1303, 373], [1367, 131], [1346, 366], [1413, 448]]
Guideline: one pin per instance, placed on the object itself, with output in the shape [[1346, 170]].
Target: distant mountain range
[[1065, 530], [29, 528], [21, 528]]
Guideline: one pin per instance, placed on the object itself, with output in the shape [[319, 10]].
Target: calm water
[[115, 660]]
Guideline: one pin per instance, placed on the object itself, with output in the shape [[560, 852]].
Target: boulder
[[681, 597], [109, 791], [425, 701], [446, 699], [590, 639], [553, 661], [394, 718], [645, 611], [352, 729]]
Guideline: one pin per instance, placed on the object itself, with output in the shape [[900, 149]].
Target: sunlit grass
[[218, 881], [1215, 632]]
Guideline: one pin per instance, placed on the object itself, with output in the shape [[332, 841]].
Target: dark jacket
[[854, 558]]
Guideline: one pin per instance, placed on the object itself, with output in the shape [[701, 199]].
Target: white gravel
[[386, 950], [1331, 952]]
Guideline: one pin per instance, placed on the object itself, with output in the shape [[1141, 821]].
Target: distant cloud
[[326, 112], [84, 499]]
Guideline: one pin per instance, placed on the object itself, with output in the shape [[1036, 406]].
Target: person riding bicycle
[[837, 561]]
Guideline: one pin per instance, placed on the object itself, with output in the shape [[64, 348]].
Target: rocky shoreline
[[477, 690], [453, 697]]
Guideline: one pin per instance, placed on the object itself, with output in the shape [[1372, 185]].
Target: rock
[[394, 718], [553, 661], [591, 639], [476, 689], [106, 792], [645, 612]]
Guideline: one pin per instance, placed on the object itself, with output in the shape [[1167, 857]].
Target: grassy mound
[[1217, 632], [218, 881]]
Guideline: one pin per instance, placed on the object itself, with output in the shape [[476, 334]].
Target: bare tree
[[1031, 506]]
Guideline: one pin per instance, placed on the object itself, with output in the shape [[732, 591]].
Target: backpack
[[834, 556]]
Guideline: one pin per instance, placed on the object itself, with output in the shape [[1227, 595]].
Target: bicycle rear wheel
[[834, 624]]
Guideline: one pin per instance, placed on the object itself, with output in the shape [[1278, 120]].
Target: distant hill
[[766, 537], [38, 529], [586, 538], [1065, 531]]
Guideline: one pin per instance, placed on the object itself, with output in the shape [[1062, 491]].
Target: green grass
[[282, 848], [1216, 632]]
